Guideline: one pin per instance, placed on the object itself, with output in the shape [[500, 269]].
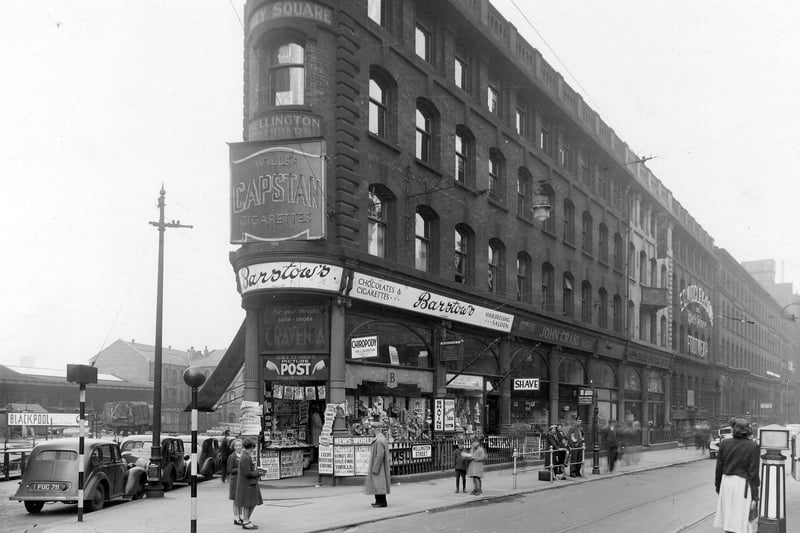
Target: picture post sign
[[277, 191]]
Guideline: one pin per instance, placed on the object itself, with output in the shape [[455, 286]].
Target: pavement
[[311, 504]]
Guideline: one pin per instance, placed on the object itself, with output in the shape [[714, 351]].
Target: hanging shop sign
[[291, 367], [444, 414], [699, 316], [466, 382], [277, 192], [300, 329], [383, 292], [526, 384], [364, 347], [288, 275], [585, 396], [451, 350], [42, 419], [554, 335]]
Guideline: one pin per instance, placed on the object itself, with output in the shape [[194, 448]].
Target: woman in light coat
[[232, 469], [378, 480], [475, 468]]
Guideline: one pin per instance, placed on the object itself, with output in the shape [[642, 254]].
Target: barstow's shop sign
[[277, 192], [295, 367], [381, 291], [289, 275]]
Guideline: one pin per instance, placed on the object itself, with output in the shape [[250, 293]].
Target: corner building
[[390, 202]]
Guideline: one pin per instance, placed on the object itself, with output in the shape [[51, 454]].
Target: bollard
[[514, 469]]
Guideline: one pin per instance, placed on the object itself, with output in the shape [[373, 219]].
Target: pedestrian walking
[[232, 467], [611, 441], [378, 480], [461, 468], [575, 440], [224, 452], [736, 480], [248, 493], [477, 457]]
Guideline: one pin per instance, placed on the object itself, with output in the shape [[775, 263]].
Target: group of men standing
[[561, 446]]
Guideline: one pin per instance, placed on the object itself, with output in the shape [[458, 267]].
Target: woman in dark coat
[[248, 493], [233, 474], [378, 480], [736, 479]]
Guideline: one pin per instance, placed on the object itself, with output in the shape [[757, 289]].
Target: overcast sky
[[103, 101]]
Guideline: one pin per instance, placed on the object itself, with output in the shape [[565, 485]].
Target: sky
[[103, 102]]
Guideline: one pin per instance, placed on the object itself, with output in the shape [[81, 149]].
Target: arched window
[[602, 243], [463, 250], [571, 371], [549, 224], [587, 231], [586, 302], [496, 174], [382, 103], [602, 308], [495, 282], [617, 311], [568, 298], [569, 221], [287, 74], [524, 193], [663, 276], [424, 125], [423, 239], [653, 273], [523, 277], [618, 251], [642, 267], [465, 156], [378, 201], [548, 278]]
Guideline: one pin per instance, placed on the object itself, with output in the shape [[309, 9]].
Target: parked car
[[209, 461], [175, 467], [51, 475], [12, 461]]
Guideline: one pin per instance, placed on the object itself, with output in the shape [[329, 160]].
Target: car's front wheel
[[168, 483], [98, 499], [33, 507]]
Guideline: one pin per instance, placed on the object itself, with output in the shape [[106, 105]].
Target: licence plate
[[42, 487]]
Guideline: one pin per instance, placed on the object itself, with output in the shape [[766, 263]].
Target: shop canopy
[[223, 375]]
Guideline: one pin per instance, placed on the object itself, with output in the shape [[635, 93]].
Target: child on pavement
[[461, 468]]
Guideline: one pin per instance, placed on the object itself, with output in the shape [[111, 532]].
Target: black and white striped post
[[193, 377], [82, 375]]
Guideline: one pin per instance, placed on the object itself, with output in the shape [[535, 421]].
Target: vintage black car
[[208, 454], [175, 466], [51, 475]]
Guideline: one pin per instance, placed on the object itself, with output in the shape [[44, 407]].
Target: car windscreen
[[137, 446]]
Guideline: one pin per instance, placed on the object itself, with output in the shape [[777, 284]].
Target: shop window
[[523, 277], [287, 75], [524, 197], [388, 343], [604, 376], [463, 236], [571, 371], [496, 266]]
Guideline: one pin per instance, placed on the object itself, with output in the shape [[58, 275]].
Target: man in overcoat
[[378, 480]]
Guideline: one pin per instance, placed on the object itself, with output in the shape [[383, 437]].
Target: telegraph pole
[[154, 487]]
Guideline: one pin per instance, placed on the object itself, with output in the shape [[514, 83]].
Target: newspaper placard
[[325, 464], [270, 463], [362, 454], [343, 460]]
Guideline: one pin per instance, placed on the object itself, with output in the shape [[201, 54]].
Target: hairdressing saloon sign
[[277, 192]]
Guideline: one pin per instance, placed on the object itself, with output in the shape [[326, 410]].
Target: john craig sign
[[277, 192]]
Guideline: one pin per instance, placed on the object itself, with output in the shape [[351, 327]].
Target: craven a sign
[[277, 192]]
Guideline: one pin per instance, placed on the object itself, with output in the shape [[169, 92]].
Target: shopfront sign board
[[277, 191], [451, 350], [526, 384], [444, 414], [384, 292], [421, 451], [291, 367], [343, 460], [295, 329], [585, 396], [288, 275], [325, 462], [270, 462]]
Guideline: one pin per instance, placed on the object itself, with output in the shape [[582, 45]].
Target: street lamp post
[[193, 377], [154, 487], [595, 432]]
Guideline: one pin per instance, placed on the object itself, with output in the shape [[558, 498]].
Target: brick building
[[426, 210]]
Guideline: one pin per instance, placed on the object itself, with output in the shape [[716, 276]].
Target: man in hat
[[575, 440], [556, 453]]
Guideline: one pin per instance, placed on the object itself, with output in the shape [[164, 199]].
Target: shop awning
[[223, 375]]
